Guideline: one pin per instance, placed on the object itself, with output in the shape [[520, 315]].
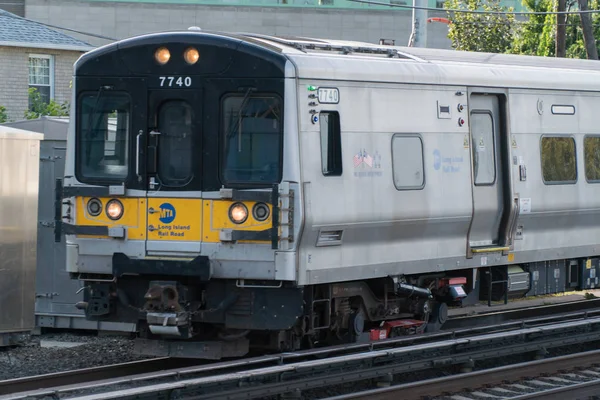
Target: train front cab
[[177, 201]]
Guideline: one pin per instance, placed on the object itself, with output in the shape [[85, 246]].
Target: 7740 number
[[171, 81]]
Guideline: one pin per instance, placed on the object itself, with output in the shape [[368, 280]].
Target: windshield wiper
[[244, 101]]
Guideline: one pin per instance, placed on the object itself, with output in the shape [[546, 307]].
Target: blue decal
[[167, 213], [437, 159]]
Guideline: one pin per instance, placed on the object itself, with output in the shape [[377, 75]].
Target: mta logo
[[167, 213], [437, 159]]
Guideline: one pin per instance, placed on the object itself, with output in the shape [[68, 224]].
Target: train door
[[174, 173], [490, 183]]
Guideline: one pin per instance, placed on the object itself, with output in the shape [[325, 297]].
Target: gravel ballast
[[30, 358]]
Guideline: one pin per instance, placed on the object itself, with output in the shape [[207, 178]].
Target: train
[[239, 192]]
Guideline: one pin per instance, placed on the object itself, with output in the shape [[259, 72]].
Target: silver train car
[[229, 192]]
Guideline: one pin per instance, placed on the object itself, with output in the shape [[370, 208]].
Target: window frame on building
[[51, 69]]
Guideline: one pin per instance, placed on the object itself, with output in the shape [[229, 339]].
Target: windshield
[[104, 136], [252, 139]]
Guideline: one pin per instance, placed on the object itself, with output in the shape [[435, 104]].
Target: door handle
[[151, 228], [152, 211], [137, 155]]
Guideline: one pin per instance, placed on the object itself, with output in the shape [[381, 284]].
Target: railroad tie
[[542, 383], [485, 395], [503, 391], [590, 372]]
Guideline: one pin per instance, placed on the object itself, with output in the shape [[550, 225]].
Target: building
[[334, 19], [34, 56]]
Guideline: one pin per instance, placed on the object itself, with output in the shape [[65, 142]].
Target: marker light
[[114, 209], [162, 55], [260, 211], [238, 213], [94, 207], [191, 56]]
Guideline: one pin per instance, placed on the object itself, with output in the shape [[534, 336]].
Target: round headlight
[[114, 209], [162, 55], [94, 207], [191, 56], [260, 211], [238, 213]]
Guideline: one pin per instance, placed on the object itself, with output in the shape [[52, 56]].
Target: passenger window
[[559, 162], [484, 154], [591, 151], [407, 162], [175, 119], [331, 143]]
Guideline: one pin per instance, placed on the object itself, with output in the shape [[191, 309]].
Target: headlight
[[94, 207], [114, 209], [191, 56], [238, 213], [260, 211], [162, 55]]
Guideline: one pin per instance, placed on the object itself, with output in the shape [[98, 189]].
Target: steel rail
[[488, 377], [576, 391], [91, 374], [496, 317], [149, 369], [360, 366]]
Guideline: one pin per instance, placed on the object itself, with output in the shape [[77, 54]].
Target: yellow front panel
[[216, 217], [175, 219], [134, 216]]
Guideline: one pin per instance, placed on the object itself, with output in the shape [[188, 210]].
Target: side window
[[591, 151], [331, 143], [252, 137], [484, 155], [407, 162], [559, 162]]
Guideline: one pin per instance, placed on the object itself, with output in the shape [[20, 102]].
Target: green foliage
[[3, 115], [502, 34], [537, 36], [491, 33], [38, 108]]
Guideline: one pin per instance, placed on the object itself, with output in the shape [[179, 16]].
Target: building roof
[[16, 31], [53, 128]]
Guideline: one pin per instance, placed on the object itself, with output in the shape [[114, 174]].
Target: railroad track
[[169, 368], [279, 374], [80, 376], [565, 377]]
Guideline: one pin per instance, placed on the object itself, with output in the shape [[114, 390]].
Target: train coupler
[[174, 324]]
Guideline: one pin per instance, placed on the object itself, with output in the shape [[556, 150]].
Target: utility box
[[56, 293], [538, 272], [590, 269], [19, 182], [556, 277]]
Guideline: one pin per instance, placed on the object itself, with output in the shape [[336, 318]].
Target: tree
[[492, 33], [38, 107], [3, 115], [537, 36]]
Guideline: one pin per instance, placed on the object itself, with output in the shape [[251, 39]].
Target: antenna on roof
[[194, 28]]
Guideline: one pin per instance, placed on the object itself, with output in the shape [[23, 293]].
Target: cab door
[[173, 172]]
